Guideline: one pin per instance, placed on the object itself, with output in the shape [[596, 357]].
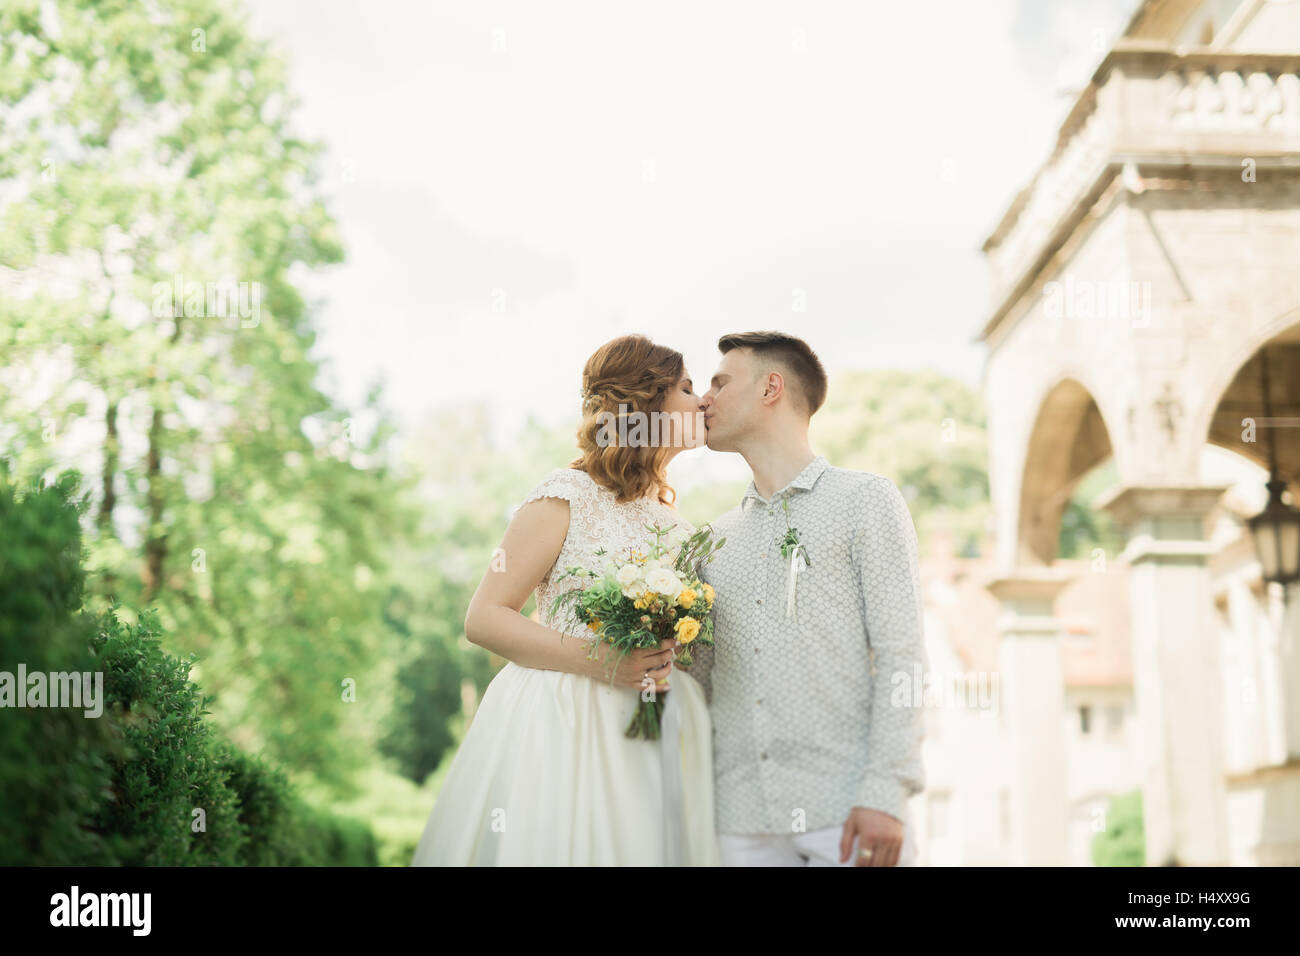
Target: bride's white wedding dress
[[545, 775]]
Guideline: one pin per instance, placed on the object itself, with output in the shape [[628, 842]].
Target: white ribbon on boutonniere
[[792, 548], [797, 563]]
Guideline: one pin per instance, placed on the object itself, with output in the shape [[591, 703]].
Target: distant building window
[[1085, 720]]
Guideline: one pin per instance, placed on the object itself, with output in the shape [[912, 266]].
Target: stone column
[[1176, 677], [1288, 665], [1031, 695]]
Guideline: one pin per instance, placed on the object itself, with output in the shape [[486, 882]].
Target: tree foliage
[[923, 431], [148, 172]]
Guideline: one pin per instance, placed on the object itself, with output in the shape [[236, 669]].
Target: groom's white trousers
[[814, 848]]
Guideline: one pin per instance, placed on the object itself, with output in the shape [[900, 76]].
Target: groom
[[818, 609]]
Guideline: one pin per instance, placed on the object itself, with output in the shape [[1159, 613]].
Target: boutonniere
[[793, 549]]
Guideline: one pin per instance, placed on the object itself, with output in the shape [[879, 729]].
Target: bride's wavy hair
[[635, 373]]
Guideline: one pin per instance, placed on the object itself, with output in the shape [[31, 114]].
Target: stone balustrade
[[1151, 106]]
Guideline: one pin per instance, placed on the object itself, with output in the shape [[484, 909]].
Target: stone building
[[965, 812], [1139, 280]]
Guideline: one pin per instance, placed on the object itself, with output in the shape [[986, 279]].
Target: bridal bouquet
[[643, 597]]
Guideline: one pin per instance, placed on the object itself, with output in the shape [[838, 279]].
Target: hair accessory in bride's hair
[[588, 397]]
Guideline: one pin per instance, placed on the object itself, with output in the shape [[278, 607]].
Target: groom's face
[[731, 401]]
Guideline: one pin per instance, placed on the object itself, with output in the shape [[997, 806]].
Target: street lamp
[[1277, 537], [1276, 529]]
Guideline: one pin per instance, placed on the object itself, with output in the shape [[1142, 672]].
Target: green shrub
[[168, 770], [53, 771], [285, 831], [1123, 842], [149, 782]]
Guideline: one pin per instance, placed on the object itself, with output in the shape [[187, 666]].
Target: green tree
[[1083, 528], [922, 430], [469, 484], [154, 205]]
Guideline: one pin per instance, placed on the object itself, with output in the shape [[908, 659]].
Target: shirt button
[[759, 601], [763, 756], [759, 701]]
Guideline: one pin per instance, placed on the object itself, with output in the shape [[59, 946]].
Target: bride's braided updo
[[635, 373]]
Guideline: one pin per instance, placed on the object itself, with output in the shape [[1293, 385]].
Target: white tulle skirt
[[546, 777]]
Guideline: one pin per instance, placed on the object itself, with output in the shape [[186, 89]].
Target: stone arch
[[1068, 439], [1234, 393]]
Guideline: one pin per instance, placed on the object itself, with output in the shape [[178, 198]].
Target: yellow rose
[[687, 628], [686, 598], [708, 594]]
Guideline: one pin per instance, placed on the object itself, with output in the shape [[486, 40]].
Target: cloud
[[676, 169]]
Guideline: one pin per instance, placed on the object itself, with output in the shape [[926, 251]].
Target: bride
[[545, 775]]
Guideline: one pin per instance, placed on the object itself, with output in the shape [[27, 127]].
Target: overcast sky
[[518, 182]]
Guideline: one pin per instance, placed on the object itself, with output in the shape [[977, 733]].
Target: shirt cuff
[[885, 794]]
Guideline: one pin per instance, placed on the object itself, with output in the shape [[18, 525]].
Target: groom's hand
[[875, 831]]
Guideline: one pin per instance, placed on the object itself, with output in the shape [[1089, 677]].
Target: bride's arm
[[531, 544]]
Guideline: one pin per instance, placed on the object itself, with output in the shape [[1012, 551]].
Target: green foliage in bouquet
[[642, 598]]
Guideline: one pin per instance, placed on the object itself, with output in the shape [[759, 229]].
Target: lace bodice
[[596, 521]]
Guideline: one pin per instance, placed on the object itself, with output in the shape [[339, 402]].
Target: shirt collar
[[805, 480]]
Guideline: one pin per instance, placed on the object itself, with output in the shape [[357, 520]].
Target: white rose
[[629, 579], [665, 582]]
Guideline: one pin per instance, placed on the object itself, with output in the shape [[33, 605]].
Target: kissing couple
[[781, 743]]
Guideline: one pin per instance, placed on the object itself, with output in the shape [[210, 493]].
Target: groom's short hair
[[794, 356]]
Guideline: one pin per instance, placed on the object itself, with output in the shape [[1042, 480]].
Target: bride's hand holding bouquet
[[644, 600]]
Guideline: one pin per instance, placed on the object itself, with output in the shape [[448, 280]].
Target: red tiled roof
[[1094, 609]]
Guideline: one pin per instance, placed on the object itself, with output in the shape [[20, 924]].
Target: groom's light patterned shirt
[[807, 720]]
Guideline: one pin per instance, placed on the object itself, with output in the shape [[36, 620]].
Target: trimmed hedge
[[149, 782], [170, 803], [291, 832], [53, 767]]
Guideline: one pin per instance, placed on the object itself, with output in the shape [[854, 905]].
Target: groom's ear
[[774, 385]]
